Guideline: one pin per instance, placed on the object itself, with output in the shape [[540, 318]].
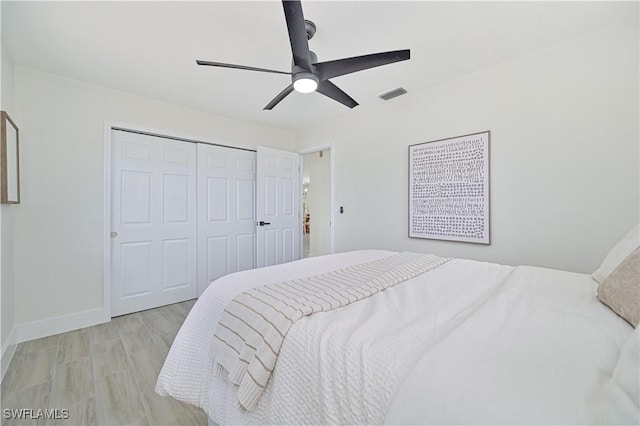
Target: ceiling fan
[[307, 74]]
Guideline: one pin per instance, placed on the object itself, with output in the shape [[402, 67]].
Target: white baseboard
[[8, 349], [62, 324]]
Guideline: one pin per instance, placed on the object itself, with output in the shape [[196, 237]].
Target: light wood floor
[[104, 375]]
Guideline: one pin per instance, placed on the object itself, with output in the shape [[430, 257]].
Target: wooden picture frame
[[449, 189], [9, 160]]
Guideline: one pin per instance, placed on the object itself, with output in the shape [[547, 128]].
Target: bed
[[465, 342]]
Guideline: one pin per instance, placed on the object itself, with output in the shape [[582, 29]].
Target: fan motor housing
[[310, 27], [296, 69]]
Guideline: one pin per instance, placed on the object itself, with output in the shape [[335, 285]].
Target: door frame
[[109, 127], [332, 214]]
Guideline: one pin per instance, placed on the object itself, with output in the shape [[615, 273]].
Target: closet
[[184, 213]]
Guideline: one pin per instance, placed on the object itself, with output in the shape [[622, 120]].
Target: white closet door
[[278, 207], [226, 212], [153, 219]]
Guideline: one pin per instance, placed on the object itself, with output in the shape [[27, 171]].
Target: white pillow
[[620, 252]]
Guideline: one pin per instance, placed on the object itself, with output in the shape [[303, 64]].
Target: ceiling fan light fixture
[[305, 82]]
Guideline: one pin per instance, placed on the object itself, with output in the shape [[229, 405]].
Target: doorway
[[317, 211]]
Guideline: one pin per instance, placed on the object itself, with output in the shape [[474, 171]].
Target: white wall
[[59, 231], [564, 154], [319, 201], [7, 285]]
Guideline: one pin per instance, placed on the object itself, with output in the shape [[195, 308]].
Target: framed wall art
[[449, 189], [9, 161]]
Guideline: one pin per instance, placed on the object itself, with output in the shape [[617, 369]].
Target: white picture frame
[[449, 189], [9, 160]]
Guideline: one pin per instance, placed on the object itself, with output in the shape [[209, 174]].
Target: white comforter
[[348, 365], [538, 352]]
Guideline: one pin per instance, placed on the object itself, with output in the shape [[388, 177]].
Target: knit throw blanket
[[254, 324]]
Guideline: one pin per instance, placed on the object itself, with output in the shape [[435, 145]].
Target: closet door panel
[[226, 212], [153, 219]]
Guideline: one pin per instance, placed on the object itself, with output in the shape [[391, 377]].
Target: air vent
[[392, 94]]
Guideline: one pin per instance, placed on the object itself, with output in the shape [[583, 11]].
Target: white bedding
[[482, 343], [539, 352], [254, 326]]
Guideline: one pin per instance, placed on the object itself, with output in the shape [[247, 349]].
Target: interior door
[[278, 220], [153, 218], [226, 212]]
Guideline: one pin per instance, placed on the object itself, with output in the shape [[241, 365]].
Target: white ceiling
[[150, 48]]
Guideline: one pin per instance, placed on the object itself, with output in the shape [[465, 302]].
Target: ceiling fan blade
[[297, 33], [239, 67], [275, 101], [330, 69], [329, 89]]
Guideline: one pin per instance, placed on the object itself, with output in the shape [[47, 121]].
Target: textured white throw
[[253, 326]]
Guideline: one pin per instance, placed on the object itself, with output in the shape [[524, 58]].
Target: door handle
[[263, 223]]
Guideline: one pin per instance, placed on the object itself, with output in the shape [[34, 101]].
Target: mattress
[[467, 342]]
